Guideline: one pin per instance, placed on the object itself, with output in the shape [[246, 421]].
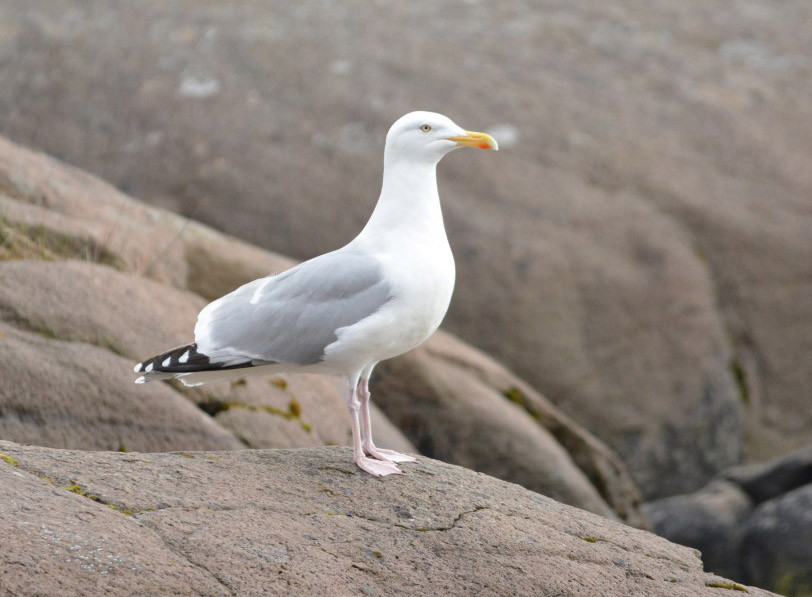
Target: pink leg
[[366, 430], [370, 465]]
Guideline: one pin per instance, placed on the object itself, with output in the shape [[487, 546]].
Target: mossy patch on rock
[[21, 241], [78, 490], [279, 383], [294, 412], [516, 396], [9, 460], [740, 377]]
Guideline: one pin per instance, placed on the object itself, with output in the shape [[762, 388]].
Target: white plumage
[[379, 296]]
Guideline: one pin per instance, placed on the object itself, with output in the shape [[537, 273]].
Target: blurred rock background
[[640, 251]]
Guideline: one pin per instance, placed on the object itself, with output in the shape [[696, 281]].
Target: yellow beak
[[478, 140]]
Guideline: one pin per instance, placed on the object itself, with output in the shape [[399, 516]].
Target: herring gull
[[341, 313]]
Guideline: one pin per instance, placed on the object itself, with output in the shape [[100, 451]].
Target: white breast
[[422, 282], [422, 285]]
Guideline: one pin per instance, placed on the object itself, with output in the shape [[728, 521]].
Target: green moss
[[271, 410], [22, 241], [294, 412], [790, 583], [121, 447], [592, 539], [279, 383], [295, 408], [740, 377], [125, 511], [784, 584], [77, 489], [377, 554], [9, 460], [238, 382], [516, 396], [41, 330], [731, 586]]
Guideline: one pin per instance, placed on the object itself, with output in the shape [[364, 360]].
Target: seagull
[[341, 313]]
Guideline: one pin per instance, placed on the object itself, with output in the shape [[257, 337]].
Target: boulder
[[776, 544], [768, 480], [51, 211], [308, 522], [81, 396], [85, 304], [707, 520], [623, 254], [753, 523]]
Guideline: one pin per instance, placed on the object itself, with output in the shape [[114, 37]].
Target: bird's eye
[[425, 128]]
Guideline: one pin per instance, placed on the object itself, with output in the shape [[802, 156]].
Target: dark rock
[[768, 480], [776, 544], [707, 520], [754, 523]]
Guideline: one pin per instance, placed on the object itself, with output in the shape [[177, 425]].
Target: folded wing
[[292, 317]]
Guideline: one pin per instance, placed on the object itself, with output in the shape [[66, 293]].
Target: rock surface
[[776, 544], [457, 404], [84, 282], [754, 523], [307, 522], [81, 396], [642, 241]]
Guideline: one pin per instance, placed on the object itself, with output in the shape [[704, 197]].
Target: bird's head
[[428, 136]]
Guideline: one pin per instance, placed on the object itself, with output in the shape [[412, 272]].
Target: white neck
[[409, 203]]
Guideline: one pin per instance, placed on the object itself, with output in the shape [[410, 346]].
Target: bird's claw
[[388, 455], [377, 468]]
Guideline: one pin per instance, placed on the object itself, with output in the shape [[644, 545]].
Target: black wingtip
[[187, 359]]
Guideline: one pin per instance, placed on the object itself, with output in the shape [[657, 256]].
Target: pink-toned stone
[[307, 521]]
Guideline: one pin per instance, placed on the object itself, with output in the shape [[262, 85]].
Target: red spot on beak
[[484, 146]]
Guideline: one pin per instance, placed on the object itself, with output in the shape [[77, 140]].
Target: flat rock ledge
[[307, 522]]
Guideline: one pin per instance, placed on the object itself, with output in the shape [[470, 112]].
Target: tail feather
[[184, 360]]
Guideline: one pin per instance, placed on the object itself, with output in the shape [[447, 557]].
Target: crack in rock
[[441, 528]]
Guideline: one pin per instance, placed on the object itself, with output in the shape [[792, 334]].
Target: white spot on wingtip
[[148, 368], [184, 357], [141, 379], [166, 362], [137, 368]]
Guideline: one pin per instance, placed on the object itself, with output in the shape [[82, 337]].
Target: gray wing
[[293, 317]]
